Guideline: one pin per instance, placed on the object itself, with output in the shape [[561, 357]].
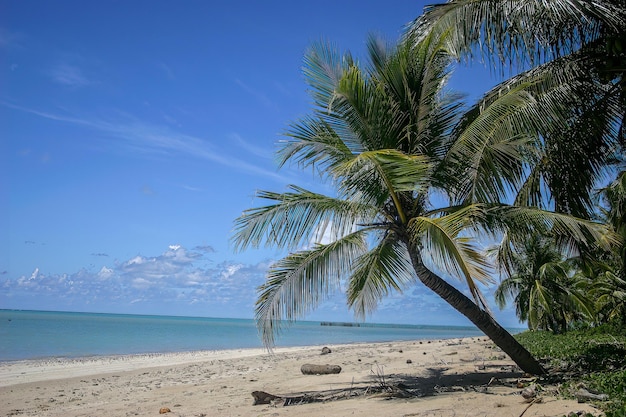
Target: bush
[[594, 356]]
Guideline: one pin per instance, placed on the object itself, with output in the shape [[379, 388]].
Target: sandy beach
[[458, 377]]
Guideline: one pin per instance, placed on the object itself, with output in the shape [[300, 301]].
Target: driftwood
[[583, 395], [391, 391], [262, 397], [310, 369]]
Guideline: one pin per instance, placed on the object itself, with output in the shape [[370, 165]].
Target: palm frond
[[294, 219], [300, 281], [499, 136], [576, 151], [323, 68], [518, 31], [532, 191], [384, 268], [378, 176], [528, 221], [451, 252], [314, 143], [507, 290], [415, 79], [364, 110]]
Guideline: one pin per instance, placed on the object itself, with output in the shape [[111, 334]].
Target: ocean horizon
[[32, 334]]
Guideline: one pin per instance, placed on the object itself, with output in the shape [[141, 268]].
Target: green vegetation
[[579, 45], [595, 357], [545, 290], [553, 293]]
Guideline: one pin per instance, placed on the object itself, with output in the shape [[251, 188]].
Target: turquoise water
[[45, 334]]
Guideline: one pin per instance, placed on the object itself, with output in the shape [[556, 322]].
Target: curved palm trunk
[[483, 320]]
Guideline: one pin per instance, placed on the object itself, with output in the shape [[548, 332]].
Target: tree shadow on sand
[[436, 381]]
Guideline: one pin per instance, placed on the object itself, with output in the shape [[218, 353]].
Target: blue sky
[[133, 133]]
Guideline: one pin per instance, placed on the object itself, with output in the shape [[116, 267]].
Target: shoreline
[[42, 369], [442, 375], [178, 357]]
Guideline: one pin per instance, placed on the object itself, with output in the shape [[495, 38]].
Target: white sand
[[466, 377]]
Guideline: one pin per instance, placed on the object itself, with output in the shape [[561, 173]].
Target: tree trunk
[[483, 320]]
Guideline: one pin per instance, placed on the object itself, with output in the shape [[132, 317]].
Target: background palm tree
[[609, 268], [545, 288], [614, 214], [387, 137], [609, 291]]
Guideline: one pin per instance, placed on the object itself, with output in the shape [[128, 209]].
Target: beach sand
[[458, 377]]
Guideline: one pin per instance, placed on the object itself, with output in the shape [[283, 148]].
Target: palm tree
[[387, 137], [609, 269], [615, 215], [609, 291], [547, 290], [582, 44]]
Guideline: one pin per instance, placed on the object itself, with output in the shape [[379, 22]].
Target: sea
[[52, 334]]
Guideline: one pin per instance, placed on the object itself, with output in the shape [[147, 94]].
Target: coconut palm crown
[[414, 187], [583, 44]]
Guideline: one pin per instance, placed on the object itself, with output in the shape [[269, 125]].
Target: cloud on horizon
[[178, 276], [186, 282]]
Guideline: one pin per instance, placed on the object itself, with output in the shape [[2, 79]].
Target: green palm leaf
[[295, 218], [384, 268], [441, 240], [377, 176], [300, 281], [527, 221], [519, 31], [314, 143]]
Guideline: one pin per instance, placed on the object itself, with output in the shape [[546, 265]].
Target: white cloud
[[35, 274], [176, 276], [137, 260], [68, 75], [184, 278], [167, 70], [142, 284], [230, 271], [155, 139], [105, 273]]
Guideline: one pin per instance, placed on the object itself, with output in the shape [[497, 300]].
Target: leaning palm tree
[[412, 192], [580, 42]]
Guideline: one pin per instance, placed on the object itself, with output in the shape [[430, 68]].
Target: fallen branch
[[391, 391]]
